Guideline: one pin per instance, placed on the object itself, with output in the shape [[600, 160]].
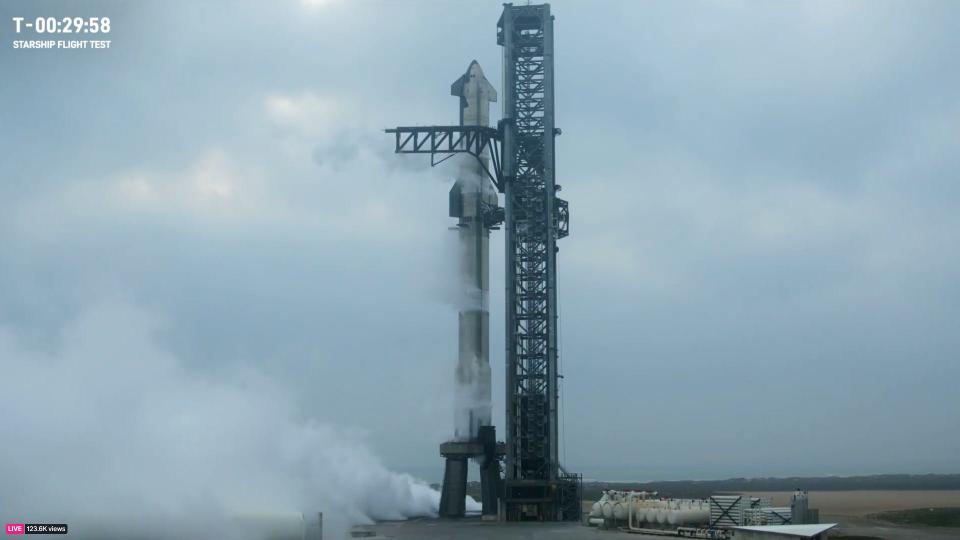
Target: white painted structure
[[643, 510], [815, 531]]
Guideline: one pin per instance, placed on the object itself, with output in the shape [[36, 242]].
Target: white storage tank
[[620, 510]]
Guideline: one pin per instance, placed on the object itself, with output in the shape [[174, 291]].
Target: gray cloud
[[763, 246]]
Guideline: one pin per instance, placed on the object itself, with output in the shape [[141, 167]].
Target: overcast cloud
[[762, 271]]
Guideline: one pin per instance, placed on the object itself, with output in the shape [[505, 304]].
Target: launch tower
[[535, 485], [519, 157]]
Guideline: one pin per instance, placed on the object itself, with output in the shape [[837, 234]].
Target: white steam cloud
[[109, 433]]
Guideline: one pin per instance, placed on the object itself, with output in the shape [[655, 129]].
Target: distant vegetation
[[704, 488], [932, 517]]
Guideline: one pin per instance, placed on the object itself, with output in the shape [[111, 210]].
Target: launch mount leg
[[454, 492]]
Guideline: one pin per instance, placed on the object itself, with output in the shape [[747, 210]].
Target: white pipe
[[630, 498]]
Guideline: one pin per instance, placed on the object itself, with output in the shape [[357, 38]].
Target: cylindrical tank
[[662, 515], [642, 509], [687, 511], [650, 515], [702, 513], [620, 510], [673, 515]]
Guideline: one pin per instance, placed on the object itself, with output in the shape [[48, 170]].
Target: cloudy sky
[[762, 271]]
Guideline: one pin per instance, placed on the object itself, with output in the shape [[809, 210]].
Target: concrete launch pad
[[477, 529]]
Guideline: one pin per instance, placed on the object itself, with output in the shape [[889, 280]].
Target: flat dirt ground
[[861, 503], [850, 510]]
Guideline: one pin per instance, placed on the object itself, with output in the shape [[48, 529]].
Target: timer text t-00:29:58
[[65, 25]]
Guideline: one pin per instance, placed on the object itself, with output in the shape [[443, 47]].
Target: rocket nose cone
[[474, 79], [474, 70]]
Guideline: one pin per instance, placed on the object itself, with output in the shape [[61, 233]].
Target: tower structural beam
[[447, 141], [536, 487]]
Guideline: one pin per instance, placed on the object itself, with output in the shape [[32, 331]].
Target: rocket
[[471, 195]]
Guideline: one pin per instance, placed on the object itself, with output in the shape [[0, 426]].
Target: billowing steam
[[110, 434], [472, 402]]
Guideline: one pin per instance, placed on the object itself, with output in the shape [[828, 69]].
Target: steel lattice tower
[[518, 157], [534, 219]]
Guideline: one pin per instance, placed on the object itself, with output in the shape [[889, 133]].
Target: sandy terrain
[[861, 503], [850, 508]]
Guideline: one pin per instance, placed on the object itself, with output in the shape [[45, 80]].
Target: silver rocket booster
[[471, 195]]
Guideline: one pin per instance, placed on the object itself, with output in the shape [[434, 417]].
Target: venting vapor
[[116, 438]]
